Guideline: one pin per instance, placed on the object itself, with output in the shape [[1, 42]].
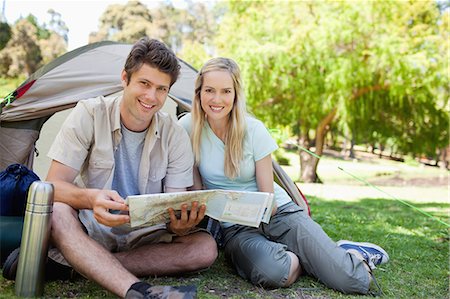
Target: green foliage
[[8, 85], [381, 66], [5, 34], [126, 23], [31, 45], [194, 53], [41, 32], [22, 50], [187, 31]]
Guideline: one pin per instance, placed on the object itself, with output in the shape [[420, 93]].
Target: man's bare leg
[[85, 255], [185, 254]]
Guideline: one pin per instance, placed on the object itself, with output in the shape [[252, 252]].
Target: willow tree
[[306, 63]]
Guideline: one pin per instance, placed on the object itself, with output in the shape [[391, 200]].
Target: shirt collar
[[115, 121]]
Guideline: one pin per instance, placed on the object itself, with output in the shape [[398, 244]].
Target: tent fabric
[[17, 146], [290, 187]]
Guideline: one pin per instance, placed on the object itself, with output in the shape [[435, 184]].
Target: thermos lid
[[40, 197]]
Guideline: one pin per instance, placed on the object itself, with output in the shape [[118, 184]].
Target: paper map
[[240, 207]]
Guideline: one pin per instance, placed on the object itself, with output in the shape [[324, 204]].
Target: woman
[[233, 151]]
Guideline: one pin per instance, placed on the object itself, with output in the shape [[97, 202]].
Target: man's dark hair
[[155, 54]]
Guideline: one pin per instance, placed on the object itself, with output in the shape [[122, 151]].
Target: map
[[240, 207]]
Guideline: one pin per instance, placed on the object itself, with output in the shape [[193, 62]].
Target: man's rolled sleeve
[[181, 160]]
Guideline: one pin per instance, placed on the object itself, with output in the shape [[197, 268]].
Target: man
[[112, 147]]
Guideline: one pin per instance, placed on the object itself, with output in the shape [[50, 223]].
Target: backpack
[[14, 183]]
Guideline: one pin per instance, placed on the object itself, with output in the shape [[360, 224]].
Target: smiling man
[[112, 147]]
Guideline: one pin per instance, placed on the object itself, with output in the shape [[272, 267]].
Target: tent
[[83, 73]]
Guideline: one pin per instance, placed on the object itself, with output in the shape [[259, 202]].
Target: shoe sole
[[11, 263], [367, 244]]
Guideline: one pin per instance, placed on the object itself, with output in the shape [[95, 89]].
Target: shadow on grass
[[417, 245]]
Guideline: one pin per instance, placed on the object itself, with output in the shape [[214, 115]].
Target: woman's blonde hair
[[234, 138]]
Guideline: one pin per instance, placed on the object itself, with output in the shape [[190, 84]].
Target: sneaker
[[53, 270], [143, 290], [373, 254]]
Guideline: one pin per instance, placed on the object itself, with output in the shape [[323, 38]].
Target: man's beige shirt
[[91, 134]]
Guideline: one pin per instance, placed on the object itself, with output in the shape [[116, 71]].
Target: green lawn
[[418, 249]]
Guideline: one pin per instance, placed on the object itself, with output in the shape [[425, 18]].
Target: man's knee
[[203, 249], [63, 218]]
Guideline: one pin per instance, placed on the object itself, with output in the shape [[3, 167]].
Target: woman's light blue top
[[257, 144]]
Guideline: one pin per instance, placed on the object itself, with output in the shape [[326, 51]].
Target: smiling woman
[[217, 97]]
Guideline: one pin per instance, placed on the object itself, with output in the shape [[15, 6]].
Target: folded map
[[240, 207]]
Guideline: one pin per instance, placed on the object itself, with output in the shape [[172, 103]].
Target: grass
[[8, 85], [418, 248]]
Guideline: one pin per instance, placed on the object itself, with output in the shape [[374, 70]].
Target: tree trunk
[[307, 168], [352, 148], [380, 155], [443, 157], [344, 145], [308, 163]]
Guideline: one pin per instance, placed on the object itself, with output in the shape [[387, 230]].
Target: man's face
[[143, 96]]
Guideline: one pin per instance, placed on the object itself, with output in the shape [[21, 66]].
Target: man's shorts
[[119, 238]]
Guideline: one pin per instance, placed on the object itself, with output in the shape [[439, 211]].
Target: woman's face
[[217, 95]]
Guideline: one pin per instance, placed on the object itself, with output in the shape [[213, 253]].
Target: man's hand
[[105, 200], [188, 220]]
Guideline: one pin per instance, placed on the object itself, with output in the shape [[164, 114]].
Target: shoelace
[[371, 258], [379, 291], [376, 257]]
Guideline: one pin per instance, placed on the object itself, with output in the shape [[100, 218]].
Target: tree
[[125, 23], [32, 45], [177, 27], [22, 50], [194, 53], [52, 47], [313, 65], [5, 34], [57, 25]]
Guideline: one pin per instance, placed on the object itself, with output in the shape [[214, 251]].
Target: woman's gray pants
[[259, 254]]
